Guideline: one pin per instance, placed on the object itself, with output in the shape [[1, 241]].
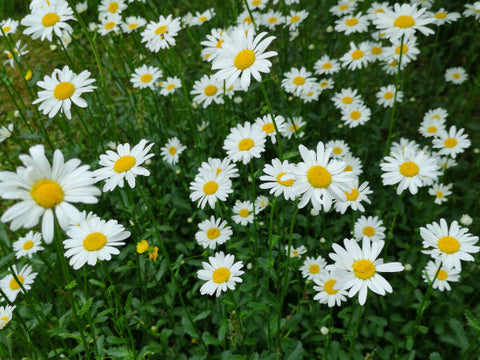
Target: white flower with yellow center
[[146, 76], [371, 228], [220, 273], [350, 24], [28, 245], [225, 166], [213, 232], [399, 146], [440, 191], [123, 164], [62, 89], [410, 170], [261, 203], [386, 95], [326, 294], [169, 85], [358, 268], [46, 20], [357, 57], [295, 252], [326, 84], [210, 186], [377, 50], [268, 127], [245, 19], [243, 56], [133, 23], [436, 114], [311, 92], [199, 18], [92, 240], [456, 75], [327, 66], [213, 44], [450, 244], [404, 20], [279, 179], [295, 125], [11, 286], [376, 8], [271, 19], [18, 51], [172, 150], [354, 164], [408, 51], [346, 97], [6, 313], [245, 142], [355, 196], [339, 148], [207, 90], [44, 188], [161, 34], [444, 274], [472, 10], [451, 143], [243, 213], [343, 7], [313, 267], [295, 18], [8, 26], [355, 115], [111, 7], [443, 17], [296, 80], [321, 179]]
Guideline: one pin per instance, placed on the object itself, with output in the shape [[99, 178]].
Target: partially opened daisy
[[6, 132], [243, 56], [295, 252], [295, 126], [268, 127], [46, 20], [6, 313], [62, 89], [172, 150], [44, 189], [11, 287], [161, 34], [220, 273], [355, 197], [313, 267], [279, 179], [123, 164], [326, 294], [451, 142], [9, 26], [358, 268], [243, 212], [210, 186], [450, 244], [92, 240], [207, 90], [28, 245], [440, 275], [440, 191], [456, 75], [245, 142], [18, 51], [146, 76], [213, 232], [371, 228]]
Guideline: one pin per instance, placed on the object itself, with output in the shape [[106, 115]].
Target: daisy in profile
[[443, 17], [296, 80], [28, 245], [81, 7], [346, 97], [112, 6], [8, 26], [6, 132], [208, 187], [296, 252], [451, 142], [200, 18], [207, 90], [295, 126], [172, 150], [456, 75], [272, 19], [243, 56], [339, 148], [161, 34], [261, 203], [371, 228], [409, 169], [326, 294], [133, 23], [220, 273], [213, 44], [279, 179], [224, 166], [440, 192], [62, 89], [326, 84], [123, 164], [245, 142], [357, 57], [376, 8], [310, 92], [404, 20], [450, 244], [326, 66], [46, 20], [93, 240], [44, 188], [11, 286], [243, 212], [355, 115], [436, 114], [295, 18], [354, 165], [18, 51], [268, 127], [444, 274], [320, 179], [472, 10], [6, 313], [355, 197], [359, 269], [146, 76], [213, 232], [386, 96], [399, 146], [313, 267], [170, 85], [350, 24]]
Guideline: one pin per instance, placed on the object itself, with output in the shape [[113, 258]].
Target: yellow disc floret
[[47, 193], [94, 241]]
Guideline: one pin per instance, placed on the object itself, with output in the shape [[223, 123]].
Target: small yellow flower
[[153, 254], [142, 246]]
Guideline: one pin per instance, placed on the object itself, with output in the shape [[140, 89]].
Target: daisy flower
[[423, 3], [295, 18], [243, 211], [44, 188], [376, 8], [456, 75], [472, 10], [81, 7], [296, 127], [432, 125], [225, 166], [450, 244], [161, 34], [28, 245], [296, 252], [404, 20], [172, 150], [437, 113], [354, 164], [10, 285], [343, 7], [213, 44], [213, 232], [93, 240], [327, 66], [146, 76], [313, 267], [243, 56], [245, 19], [206, 90], [326, 294], [339, 148], [355, 115], [326, 84], [279, 179], [199, 18], [220, 273], [207, 187], [352, 24], [386, 96], [261, 203], [111, 6], [410, 170], [451, 143], [440, 192], [443, 17], [268, 127], [359, 269], [402, 144], [310, 92], [6, 132], [320, 179], [170, 85], [370, 228], [8, 26], [357, 57], [62, 89], [376, 50], [391, 67], [6, 313], [18, 51], [408, 51], [271, 19], [45, 21], [296, 80], [346, 97], [444, 274], [133, 23], [245, 142], [355, 196]]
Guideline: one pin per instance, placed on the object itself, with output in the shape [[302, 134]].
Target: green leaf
[[472, 320], [96, 283], [259, 307], [457, 327], [290, 154], [188, 328], [71, 285], [85, 307], [202, 315], [119, 353], [128, 302], [434, 356], [209, 339]]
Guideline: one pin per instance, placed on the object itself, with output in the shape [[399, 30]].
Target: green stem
[[392, 225], [355, 330], [270, 111]]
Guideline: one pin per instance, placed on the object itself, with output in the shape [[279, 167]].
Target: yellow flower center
[[63, 90], [268, 128], [440, 15], [351, 22], [448, 244], [295, 253], [357, 54], [314, 269], [14, 285], [328, 287], [355, 115], [363, 269], [123, 164], [6, 29], [272, 20], [256, 2], [343, 7], [221, 275], [442, 275], [352, 196], [113, 7], [456, 76], [202, 18], [213, 233], [298, 80], [432, 130], [245, 144], [348, 168], [94, 241], [219, 44], [403, 49], [319, 177], [247, 20], [133, 26], [377, 50], [172, 151], [170, 86], [145, 78], [347, 100], [210, 90], [286, 183], [379, 11], [368, 231], [293, 128], [327, 66], [50, 19], [388, 95], [409, 169], [210, 188], [404, 21], [450, 143], [243, 213], [4, 318], [47, 193], [294, 19], [28, 245], [161, 29], [244, 59], [323, 84], [440, 194], [337, 150], [110, 25]]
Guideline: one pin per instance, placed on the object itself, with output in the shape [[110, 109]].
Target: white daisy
[[444, 274], [18, 51], [11, 287], [207, 187], [243, 212], [440, 192], [206, 90], [357, 57], [171, 150], [442, 17], [279, 179], [161, 34], [170, 85], [402, 144], [346, 97], [456, 75], [296, 80], [472, 10], [28, 245], [268, 127], [355, 196], [350, 24], [313, 267], [245, 142], [213, 44], [271, 19], [343, 7], [226, 166], [326, 293], [310, 92], [296, 127], [6, 132], [355, 115], [146, 76], [354, 164], [370, 228], [9, 26], [199, 18], [296, 252], [340, 148], [295, 18], [112, 6], [213, 232], [6, 313], [451, 143], [327, 66], [376, 7], [386, 96], [408, 51], [133, 23], [261, 203]]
